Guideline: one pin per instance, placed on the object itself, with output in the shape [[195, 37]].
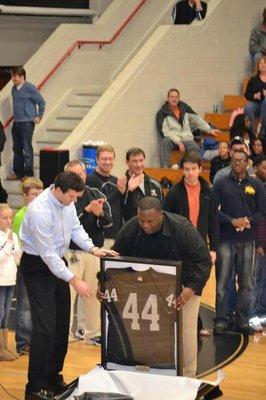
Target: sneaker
[[175, 166], [80, 334], [96, 341], [213, 394], [13, 177]]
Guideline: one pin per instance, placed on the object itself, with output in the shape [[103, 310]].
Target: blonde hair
[[4, 206], [31, 183], [104, 147], [73, 163], [256, 71]]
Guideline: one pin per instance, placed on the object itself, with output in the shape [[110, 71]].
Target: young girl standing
[[9, 256]]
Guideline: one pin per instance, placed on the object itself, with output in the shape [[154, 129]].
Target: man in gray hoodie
[[174, 121]]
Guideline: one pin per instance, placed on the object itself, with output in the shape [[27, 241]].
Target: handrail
[[78, 44]]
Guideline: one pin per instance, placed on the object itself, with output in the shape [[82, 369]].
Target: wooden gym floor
[[245, 377]]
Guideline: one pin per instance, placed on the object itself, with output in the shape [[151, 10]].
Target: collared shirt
[[47, 229]]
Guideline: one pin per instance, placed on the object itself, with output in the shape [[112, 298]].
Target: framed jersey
[[141, 327]]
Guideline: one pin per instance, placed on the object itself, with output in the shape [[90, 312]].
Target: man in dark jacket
[[221, 161], [158, 234], [138, 184], [194, 199], [242, 204], [186, 11], [94, 213], [259, 166], [111, 186]]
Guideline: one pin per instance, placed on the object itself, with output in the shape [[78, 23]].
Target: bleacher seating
[[219, 121]]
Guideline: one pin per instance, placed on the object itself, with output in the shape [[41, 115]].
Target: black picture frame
[[164, 266]]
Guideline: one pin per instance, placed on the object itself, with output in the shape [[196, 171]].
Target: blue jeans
[[23, 325], [260, 298], [239, 256], [254, 110], [6, 295], [22, 147]]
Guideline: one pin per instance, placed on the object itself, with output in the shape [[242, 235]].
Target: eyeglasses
[[240, 162]]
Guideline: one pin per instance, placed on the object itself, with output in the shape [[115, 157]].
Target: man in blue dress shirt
[[50, 223]]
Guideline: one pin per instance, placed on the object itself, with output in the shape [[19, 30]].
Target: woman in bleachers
[[256, 95], [256, 148], [242, 127]]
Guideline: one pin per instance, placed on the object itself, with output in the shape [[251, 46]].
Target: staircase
[[70, 111]]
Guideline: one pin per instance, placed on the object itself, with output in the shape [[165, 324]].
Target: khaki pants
[[108, 243], [86, 268], [190, 336]]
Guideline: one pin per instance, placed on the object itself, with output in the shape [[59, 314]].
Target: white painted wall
[[205, 61], [88, 65], [100, 5], [21, 36]]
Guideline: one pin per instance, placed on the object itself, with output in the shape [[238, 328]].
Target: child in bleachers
[[9, 257]]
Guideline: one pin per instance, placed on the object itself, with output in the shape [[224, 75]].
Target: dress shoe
[[213, 394], [13, 177], [245, 329], [58, 386], [42, 394], [220, 327]]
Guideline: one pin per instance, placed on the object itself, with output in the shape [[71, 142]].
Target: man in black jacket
[[111, 186], [138, 184], [186, 11], [158, 234], [221, 161], [242, 204], [94, 213], [194, 199]]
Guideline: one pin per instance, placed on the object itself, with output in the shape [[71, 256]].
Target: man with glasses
[[236, 144], [242, 203]]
